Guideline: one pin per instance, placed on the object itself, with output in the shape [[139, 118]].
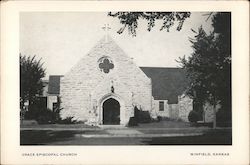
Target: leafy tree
[[209, 66], [31, 72], [130, 19], [193, 116]]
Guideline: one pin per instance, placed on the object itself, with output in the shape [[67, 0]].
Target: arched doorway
[[111, 112]]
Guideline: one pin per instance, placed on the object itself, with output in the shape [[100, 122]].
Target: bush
[[180, 120], [198, 108], [164, 118], [142, 116], [46, 116], [29, 122], [41, 115], [159, 118], [67, 120], [132, 122], [193, 116], [224, 118]]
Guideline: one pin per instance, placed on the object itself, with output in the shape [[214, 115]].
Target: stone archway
[[111, 112]]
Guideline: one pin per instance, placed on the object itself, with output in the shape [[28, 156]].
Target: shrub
[[67, 120], [181, 120], [79, 121], [159, 118], [132, 122], [198, 108], [224, 118], [29, 122], [41, 115], [193, 116], [39, 112], [164, 118], [46, 117], [142, 116]]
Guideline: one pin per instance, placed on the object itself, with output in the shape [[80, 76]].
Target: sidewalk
[[153, 133], [111, 132], [158, 129]]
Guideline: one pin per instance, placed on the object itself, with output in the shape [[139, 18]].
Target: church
[[106, 86]]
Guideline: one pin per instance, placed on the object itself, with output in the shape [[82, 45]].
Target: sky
[[61, 39]]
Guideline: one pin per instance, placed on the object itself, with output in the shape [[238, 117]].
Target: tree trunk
[[214, 121]]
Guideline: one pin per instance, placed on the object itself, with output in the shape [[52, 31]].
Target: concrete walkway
[[58, 129], [118, 129], [160, 129], [138, 135], [114, 131]]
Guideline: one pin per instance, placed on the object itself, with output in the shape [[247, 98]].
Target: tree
[[209, 66], [130, 19], [31, 73]]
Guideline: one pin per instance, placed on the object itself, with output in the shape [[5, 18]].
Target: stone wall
[[164, 113], [185, 106], [175, 111], [209, 112], [50, 100], [85, 86]]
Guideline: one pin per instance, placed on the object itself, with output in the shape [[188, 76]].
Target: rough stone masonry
[[106, 76]]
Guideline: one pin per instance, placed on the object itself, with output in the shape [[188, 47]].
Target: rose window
[[106, 65]]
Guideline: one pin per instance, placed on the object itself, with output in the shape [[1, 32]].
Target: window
[[161, 105], [55, 107], [105, 64]]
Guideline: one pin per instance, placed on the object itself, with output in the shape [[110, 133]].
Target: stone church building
[[106, 85]]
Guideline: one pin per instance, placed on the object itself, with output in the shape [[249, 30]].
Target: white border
[[11, 151]]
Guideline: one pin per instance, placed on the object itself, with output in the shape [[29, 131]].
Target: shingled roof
[[54, 84], [167, 83]]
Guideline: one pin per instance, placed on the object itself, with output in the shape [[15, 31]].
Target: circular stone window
[[105, 64]]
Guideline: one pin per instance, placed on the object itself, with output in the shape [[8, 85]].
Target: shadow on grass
[[212, 137], [42, 137]]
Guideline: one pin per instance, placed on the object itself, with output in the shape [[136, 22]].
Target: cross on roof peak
[[106, 28]]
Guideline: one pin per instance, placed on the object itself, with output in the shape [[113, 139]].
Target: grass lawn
[[164, 124], [160, 124], [48, 134], [211, 137], [58, 126]]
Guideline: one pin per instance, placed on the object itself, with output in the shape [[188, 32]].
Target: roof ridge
[[56, 75], [161, 67]]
